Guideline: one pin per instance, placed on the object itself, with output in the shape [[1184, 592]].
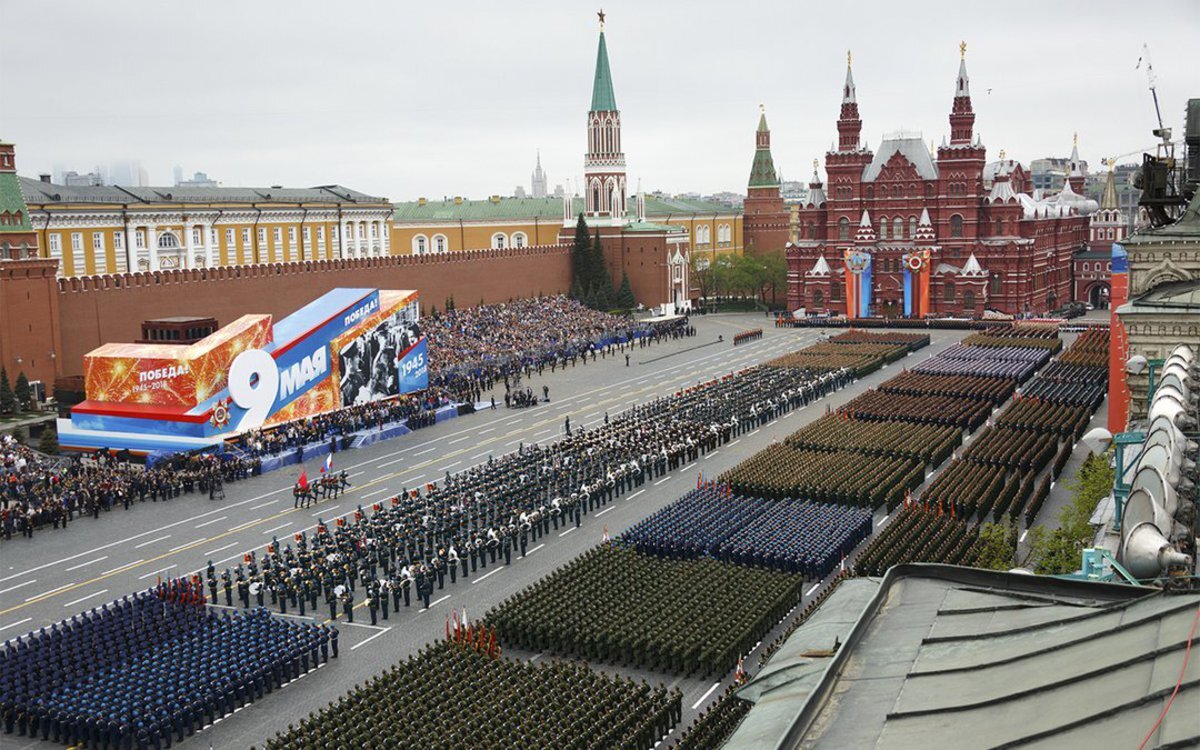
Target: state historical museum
[[910, 231]]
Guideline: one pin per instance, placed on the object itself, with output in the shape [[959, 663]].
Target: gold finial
[[847, 58], [932, 152], [962, 50], [1075, 139], [762, 110], [1111, 161], [1002, 154], [601, 14], [816, 164]]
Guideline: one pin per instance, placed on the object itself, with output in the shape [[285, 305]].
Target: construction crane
[[1157, 178]]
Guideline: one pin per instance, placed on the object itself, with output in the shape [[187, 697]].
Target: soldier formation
[[612, 604], [423, 539], [791, 536], [148, 669], [449, 695], [327, 486]]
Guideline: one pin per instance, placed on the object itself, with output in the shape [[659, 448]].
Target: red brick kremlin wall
[[73, 316]]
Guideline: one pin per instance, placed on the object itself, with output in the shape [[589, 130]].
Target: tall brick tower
[[844, 167], [960, 167], [604, 164], [765, 218], [17, 238]]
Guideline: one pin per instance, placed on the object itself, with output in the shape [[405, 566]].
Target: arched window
[[969, 299], [419, 245], [168, 241], [898, 228], [499, 240], [948, 291], [994, 284], [439, 243], [843, 228], [518, 239], [999, 226], [818, 297], [702, 235], [883, 228], [956, 226]]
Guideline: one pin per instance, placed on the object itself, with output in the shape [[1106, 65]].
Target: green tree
[[23, 392], [48, 443], [8, 400], [997, 546], [1058, 551], [774, 275], [600, 275], [625, 298], [581, 250]]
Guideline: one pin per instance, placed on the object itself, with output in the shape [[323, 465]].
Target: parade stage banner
[[349, 346]]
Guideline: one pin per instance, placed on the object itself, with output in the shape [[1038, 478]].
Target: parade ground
[[59, 573]]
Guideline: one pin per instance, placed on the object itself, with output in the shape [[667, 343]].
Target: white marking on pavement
[[662, 480], [436, 602], [756, 431], [206, 523], [485, 575], [156, 572], [188, 544], [457, 440], [484, 432], [704, 697], [693, 463], [220, 549], [30, 582], [816, 586], [355, 474], [883, 520], [376, 492], [319, 512], [636, 494], [85, 598], [261, 505], [735, 442], [152, 541], [123, 567], [277, 528], [450, 466], [535, 549], [80, 565], [14, 624], [427, 450], [1023, 534], [370, 638], [605, 510], [712, 453], [568, 531]]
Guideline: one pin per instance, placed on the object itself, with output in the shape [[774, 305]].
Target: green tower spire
[[603, 99], [762, 172]]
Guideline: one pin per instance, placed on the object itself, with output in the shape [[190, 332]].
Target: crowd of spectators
[[39, 492]]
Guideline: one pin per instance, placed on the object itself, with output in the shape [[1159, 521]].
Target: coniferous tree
[[625, 298], [48, 443], [601, 278], [23, 392], [580, 249], [8, 400]]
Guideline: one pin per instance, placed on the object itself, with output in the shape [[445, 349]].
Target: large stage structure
[[349, 346]]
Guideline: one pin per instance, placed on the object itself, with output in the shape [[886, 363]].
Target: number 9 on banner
[[253, 385]]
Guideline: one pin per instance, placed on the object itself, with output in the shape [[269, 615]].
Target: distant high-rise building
[[519, 191], [199, 179], [74, 179], [178, 174], [128, 173], [539, 179]]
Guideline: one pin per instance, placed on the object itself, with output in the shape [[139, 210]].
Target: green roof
[[13, 202], [603, 99], [542, 209], [650, 226], [762, 172], [1185, 229]]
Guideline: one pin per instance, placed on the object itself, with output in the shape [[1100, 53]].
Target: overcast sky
[[437, 99]]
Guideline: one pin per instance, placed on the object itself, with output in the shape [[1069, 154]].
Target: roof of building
[[1186, 229], [12, 201], [543, 209], [1016, 658], [40, 193], [762, 171], [1172, 295], [1108, 200], [603, 99], [911, 148]]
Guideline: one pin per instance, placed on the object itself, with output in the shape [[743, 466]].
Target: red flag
[[303, 481]]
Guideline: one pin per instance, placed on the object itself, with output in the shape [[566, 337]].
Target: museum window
[[818, 297], [994, 284], [969, 299], [948, 291], [956, 226], [883, 228], [898, 228], [843, 228], [912, 227]]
